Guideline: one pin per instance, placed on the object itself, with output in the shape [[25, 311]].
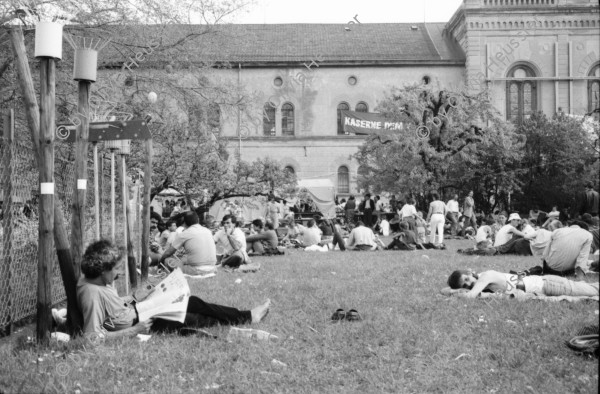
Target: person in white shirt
[[408, 214], [232, 241], [507, 231], [452, 209], [200, 250], [436, 218], [361, 238]]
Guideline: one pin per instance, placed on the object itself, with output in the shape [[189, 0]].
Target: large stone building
[[532, 54]]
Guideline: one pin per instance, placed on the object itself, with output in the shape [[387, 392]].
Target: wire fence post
[[7, 251]]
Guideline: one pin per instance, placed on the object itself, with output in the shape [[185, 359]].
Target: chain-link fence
[[19, 191]]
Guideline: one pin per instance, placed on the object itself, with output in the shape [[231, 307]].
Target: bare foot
[[259, 312]]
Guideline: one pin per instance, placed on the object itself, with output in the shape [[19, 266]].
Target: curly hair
[[99, 256], [455, 279]]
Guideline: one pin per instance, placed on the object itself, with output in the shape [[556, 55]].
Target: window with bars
[[269, 119], [343, 180], [521, 94], [341, 107], [287, 119]]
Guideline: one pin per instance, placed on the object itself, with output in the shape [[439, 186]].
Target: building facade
[[531, 54]]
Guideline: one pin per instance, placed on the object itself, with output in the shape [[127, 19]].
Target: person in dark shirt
[[405, 240]]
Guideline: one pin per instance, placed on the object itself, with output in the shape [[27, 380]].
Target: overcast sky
[[342, 11]]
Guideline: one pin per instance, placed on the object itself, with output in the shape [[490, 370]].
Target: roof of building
[[364, 43]]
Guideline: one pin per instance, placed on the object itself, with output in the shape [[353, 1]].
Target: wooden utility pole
[[46, 201], [81, 158], [63, 249], [146, 210]]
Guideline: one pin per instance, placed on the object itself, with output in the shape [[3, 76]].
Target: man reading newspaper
[[168, 308]]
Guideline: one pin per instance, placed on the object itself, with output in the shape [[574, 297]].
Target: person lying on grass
[[496, 282], [106, 315]]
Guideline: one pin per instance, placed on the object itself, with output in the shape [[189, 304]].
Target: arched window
[[521, 94], [269, 119], [290, 170], [287, 119], [594, 92], [362, 107], [341, 107], [343, 180]]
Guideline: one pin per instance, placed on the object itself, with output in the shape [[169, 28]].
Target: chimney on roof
[[414, 27]]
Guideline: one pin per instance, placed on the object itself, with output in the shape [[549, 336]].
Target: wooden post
[[112, 196], [146, 210], [125, 226], [8, 166], [101, 191], [63, 249], [96, 193], [131, 273], [81, 157], [46, 202]]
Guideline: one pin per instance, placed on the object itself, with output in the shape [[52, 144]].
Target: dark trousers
[[368, 217], [397, 243], [338, 240], [202, 314], [453, 218], [549, 271], [516, 245]]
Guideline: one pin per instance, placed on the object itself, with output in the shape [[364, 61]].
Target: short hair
[[190, 218], [454, 280], [589, 185], [554, 224], [579, 223], [359, 223], [404, 225], [258, 223], [99, 256], [229, 217], [171, 222], [269, 226], [412, 201], [311, 223], [435, 196]]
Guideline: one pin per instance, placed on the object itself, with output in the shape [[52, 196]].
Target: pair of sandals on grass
[[342, 315]]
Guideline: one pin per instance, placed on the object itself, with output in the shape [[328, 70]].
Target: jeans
[[559, 286]]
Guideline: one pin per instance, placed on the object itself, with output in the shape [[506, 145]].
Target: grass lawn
[[412, 339]]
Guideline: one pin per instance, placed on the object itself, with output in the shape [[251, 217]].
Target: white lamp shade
[[85, 64], [48, 40]]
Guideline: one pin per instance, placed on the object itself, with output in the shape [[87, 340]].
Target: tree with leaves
[[451, 142]]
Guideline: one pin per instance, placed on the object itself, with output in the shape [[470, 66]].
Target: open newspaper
[[167, 300]]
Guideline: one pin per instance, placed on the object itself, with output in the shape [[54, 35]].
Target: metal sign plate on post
[[106, 131]]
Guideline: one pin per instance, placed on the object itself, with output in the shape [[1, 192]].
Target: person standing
[[350, 209], [273, 211], [436, 218], [368, 205], [469, 213], [587, 202], [452, 213]]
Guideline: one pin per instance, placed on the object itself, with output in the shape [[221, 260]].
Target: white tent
[[322, 192]]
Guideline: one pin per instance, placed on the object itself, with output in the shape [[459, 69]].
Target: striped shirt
[[569, 248]]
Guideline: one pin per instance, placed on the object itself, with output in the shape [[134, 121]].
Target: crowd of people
[[562, 247]]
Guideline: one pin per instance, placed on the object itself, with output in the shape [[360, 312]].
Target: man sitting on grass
[[405, 240], [106, 315], [496, 282], [232, 241], [265, 241], [361, 238]]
